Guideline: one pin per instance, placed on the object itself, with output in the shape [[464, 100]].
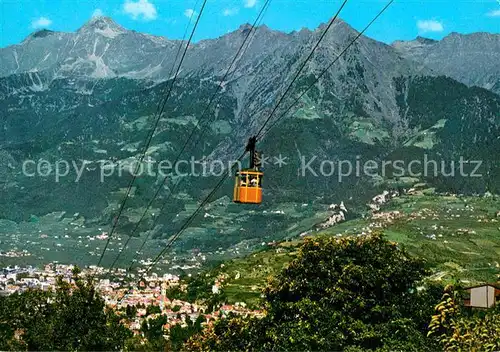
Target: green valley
[[459, 236]]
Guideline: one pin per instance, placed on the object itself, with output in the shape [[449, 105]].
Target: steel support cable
[[151, 134], [298, 72], [302, 66], [326, 70], [221, 181], [280, 100], [192, 217], [241, 51], [179, 48]]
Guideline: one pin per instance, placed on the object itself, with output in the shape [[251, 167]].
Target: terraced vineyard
[[459, 237]]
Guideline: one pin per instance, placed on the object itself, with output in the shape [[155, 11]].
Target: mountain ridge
[[97, 50], [83, 97], [468, 58], [102, 31]]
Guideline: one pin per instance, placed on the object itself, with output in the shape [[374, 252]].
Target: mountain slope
[[92, 104], [448, 231], [471, 59]]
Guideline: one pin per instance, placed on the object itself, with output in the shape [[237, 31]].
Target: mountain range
[[92, 96], [471, 59]]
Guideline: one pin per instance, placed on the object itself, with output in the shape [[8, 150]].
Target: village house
[[482, 296]]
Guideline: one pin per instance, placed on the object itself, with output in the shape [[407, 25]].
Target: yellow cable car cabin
[[248, 187], [248, 182]]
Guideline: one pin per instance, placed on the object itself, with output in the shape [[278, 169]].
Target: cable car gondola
[[248, 182]]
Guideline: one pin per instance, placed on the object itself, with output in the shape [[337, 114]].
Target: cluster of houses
[[154, 293], [339, 212], [118, 295], [18, 279], [15, 254], [381, 199], [387, 217]]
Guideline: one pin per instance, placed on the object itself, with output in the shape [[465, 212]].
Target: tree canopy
[[67, 319], [357, 292]]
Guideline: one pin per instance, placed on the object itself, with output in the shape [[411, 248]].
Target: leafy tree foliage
[[197, 288], [153, 332], [152, 309], [69, 319], [180, 334], [457, 329], [358, 293], [153, 335], [131, 311], [139, 344]]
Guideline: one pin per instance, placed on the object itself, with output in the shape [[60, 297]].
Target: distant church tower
[[163, 296]]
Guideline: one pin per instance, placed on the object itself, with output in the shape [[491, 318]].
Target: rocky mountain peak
[[424, 40], [418, 41], [102, 25], [453, 34], [339, 24], [245, 27], [43, 33], [263, 34]]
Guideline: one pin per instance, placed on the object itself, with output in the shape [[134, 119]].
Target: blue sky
[[405, 19]]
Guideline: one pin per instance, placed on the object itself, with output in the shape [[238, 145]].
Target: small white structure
[[483, 296]]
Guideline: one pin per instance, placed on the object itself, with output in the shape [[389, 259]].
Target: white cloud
[[430, 26], [230, 12], [494, 13], [189, 13], [250, 3], [41, 22], [97, 13], [140, 8]]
